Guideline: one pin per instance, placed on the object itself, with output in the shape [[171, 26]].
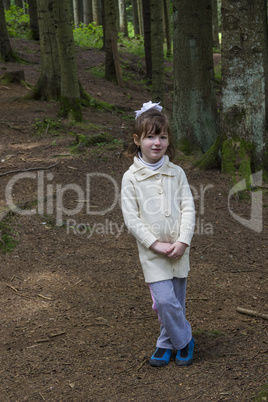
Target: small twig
[[142, 364], [29, 169], [252, 313], [57, 334], [44, 297], [47, 129], [42, 396]]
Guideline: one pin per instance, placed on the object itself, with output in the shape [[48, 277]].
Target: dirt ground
[[76, 318]]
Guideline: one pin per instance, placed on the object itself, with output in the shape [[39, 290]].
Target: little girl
[[158, 210]]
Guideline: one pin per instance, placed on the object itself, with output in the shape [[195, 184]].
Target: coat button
[[158, 176], [160, 191], [173, 234], [167, 213]]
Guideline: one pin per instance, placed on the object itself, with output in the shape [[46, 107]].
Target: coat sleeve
[[187, 225], [130, 209]]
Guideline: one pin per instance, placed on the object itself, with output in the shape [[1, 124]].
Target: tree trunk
[[135, 18], [19, 3], [168, 27], [96, 12], [123, 17], [243, 86], [157, 39], [112, 64], [6, 53], [6, 4], [194, 108], [48, 85], [147, 38], [215, 24], [88, 17], [33, 19], [76, 13], [139, 8], [70, 89]]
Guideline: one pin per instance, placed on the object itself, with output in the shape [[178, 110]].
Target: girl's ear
[[136, 139]]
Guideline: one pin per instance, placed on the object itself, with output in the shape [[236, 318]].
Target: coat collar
[[141, 172]]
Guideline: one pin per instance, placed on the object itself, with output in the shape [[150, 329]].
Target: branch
[[252, 313], [28, 170]]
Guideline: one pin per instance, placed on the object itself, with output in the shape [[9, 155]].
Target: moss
[[7, 243], [237, 159], [185, 146], [263, 395], [84, 141], [71, 108], [211, 159]]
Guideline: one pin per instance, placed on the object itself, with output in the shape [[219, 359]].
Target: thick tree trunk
[[48, 85], [147, 38], [88, 17], [123, 17], [70, 90], [157, 39], [194, 108], [243, 85], [6, 53], [33, 19]]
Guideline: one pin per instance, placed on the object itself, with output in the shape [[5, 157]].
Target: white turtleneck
[[153, 166]]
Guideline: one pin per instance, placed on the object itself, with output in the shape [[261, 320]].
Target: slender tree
[[112, 64], [19, 3], [166, 4], [87, 6], [157, 39], [215, 24], [194, 107], [76, 10], [6, 4], [135, 17], [146, 5], [123, 17], [33, 19], [96, 12], [6, 52], [140, 19]]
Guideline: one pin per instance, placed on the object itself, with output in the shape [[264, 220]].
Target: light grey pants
[[169, 302]]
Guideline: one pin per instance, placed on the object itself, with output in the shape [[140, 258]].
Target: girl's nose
[[157, 140]]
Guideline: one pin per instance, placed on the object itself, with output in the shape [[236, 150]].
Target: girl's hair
[[152, 122]]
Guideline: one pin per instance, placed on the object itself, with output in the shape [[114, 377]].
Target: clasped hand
[[172, 250]]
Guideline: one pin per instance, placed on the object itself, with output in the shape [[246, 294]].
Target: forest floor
[[76, 318]]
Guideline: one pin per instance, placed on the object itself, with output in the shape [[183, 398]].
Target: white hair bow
[[147, 106]]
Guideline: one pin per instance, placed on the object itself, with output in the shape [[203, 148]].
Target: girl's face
[[153, 146]]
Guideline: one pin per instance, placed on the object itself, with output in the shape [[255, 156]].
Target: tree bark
[[6, 53], [6, 4], [33, 19], [76, 8], [96, 12], [135, 18], [166, 4], [194, 108], [140, 19], [147, 38], [19, 3], [48, 84], [157, 39], [123, 17], [112, 64], [70, 89], [88, 17], [215, 24], [243, 86]]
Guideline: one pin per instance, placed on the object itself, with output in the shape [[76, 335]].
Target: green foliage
[[18, 23], [48, 126], [7, 243], [263, 395], [90, 35]]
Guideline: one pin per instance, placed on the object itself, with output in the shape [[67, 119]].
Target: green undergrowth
[[18, 23], [7, 234], [101, 140], [263, 394]]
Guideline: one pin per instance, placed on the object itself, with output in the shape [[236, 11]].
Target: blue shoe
[[185, 356], [160, 358]]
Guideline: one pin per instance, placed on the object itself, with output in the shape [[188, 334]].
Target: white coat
[[158, 205]]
